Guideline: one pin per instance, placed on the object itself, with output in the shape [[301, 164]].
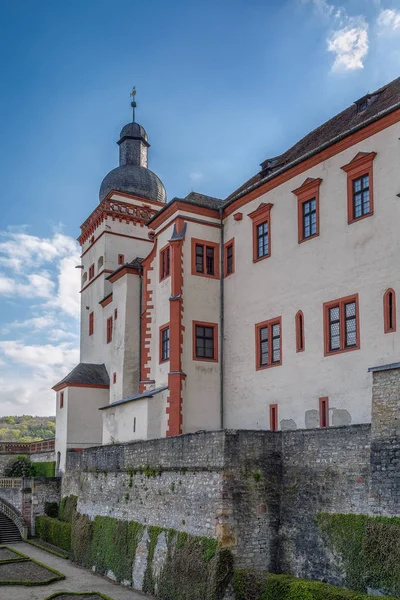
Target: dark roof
[[87, 373], [136, 263], [378, 103], [201, 200], [384, 367], [148, 394]]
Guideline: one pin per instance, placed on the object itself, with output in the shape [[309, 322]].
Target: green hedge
[[44, 469], [264, 586], [369, 548], [54, 532], [67, 508]]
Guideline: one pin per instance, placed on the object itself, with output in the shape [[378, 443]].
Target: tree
[[21, 466]]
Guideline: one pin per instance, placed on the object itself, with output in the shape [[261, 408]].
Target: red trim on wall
[[215, 340], [307, 191], [205, 243], [109, 330], [359, 166], [238, 216], [324, 412], [389, 321], [106, 301], [145, 320], [300, 335], [123, 272], [226, 246], [341, 303], [175, 205], [273, 417], [62, 386], [312, 161], [131, 237], [145, 201], [91, 323], [114, 377], [94, 279], [258, 216]]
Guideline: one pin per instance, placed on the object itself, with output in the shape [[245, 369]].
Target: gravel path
[[76, 580]]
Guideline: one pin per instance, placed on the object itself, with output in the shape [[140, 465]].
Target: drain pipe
[[221, 324]]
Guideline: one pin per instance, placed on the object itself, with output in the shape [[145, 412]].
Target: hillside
[[26, 428]]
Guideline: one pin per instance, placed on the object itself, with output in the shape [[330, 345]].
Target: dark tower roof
[[132, 176]]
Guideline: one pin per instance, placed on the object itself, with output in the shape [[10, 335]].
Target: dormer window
[[366, 101]]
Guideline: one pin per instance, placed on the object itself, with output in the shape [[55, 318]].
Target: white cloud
[[196, 176], [388, 20], [350, 45]]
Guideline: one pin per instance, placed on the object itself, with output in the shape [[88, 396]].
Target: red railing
[[26, 448]]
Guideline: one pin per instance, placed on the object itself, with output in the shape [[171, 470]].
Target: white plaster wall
[[157, 420], [84, 418], [345, 259], [61, 428], [118, 422], [201, 303]]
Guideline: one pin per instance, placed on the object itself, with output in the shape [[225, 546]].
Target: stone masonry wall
[[385, 443]]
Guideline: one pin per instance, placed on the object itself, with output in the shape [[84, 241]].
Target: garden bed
[[6, 554], [19, 569], [78, 596]]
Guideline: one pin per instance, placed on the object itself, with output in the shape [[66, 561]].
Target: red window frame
[[214, 327], [61, 399], [91, 323], [389, 311], [114, 377], [308, 191], [341, 303], [270, 323], [162, 329], [260, 216], [109, 330], [227, 246], [205, 244], [360, 166], [165, 262], [300, 336], [91, 271], [324, 412], [115, 314], [273, 417], [121, 259]]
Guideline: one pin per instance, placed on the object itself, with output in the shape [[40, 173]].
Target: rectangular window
[[268, 340], [229, 257], [91, 323], [61, 399], [361, 204], [114, 378], [91, 272], [309, 218], [262, 239], [121, 259], [109, 329], [205, 344], [205, 259], [324, 412], [341, 325], [134, 424], [164, 344], [273, 417], [115, 314], [165, 263]]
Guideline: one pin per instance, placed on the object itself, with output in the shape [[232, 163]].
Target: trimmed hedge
[[44, 469], [369, 548], [67, 509], [264, 586], [46, 548], [54, 532], [60, 594]]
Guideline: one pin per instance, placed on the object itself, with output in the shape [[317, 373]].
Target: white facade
[[152, 395]]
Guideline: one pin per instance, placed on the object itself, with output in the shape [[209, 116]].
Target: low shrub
[[54, 532]]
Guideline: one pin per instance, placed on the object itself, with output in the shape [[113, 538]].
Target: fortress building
[[264, 310]]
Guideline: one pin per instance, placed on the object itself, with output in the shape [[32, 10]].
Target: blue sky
[[222, 85]]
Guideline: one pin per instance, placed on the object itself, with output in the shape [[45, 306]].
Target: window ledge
[[370, 214]]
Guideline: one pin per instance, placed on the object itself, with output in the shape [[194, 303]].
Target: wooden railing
[[27, 448], [10, 483], [9, 511]]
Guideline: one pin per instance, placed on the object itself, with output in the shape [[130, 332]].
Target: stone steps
[[8, 531]]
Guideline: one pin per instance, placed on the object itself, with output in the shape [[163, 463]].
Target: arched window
[[300, 341], [100, 263], [389, 311], [84, 278]]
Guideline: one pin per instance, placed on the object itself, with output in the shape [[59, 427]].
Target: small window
[[389, 311], [268, 339], [360, 202], [100, 263], [309, 218], [164, 344], [91, 272], [91, 323], [109, 329], [115, 314], [61, 399], [229, 258], [165, 263], [263, 239], [205, 258], [300, 342], [134, 424], [114, 377], [205, 341], [341, 325], [84, 278], [261, 232], [308, 208], [121, 259], [324, 412], [273, 417], [92, 239]]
